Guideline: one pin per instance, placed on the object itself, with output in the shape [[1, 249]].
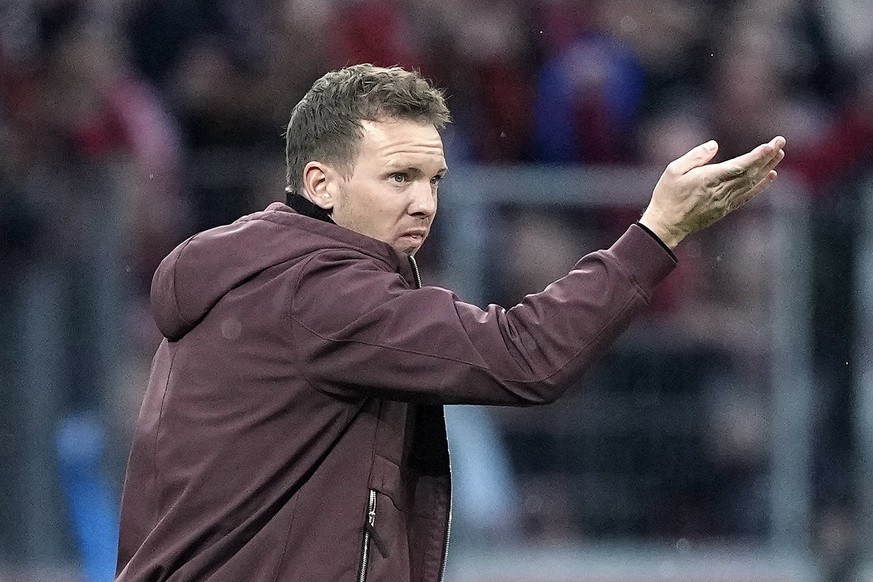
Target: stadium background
[[728, 437]]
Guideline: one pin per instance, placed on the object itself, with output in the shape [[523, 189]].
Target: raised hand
[[693, 194]]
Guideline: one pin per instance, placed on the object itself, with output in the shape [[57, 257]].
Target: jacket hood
[[204, 268]]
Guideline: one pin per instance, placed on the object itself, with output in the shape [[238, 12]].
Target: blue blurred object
[[588, 103], [89, 498]]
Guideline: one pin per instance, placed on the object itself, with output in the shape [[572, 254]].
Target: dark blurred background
[[728, 436]]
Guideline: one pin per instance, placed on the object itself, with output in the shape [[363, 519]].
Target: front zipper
[[446, 549], [416, 276], [371, 521], [442, 575]]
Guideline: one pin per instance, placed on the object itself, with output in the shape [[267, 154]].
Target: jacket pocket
[[371, 536]]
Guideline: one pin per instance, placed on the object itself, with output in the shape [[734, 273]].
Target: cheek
[[363, 211]]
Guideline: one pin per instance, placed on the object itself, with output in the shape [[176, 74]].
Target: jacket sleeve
[[359, 330]]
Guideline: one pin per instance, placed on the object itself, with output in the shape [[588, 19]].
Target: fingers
[[743, 197], [756, 164], [775, 146], [696, 157], [780, 155], [759, 175], [737, 181]]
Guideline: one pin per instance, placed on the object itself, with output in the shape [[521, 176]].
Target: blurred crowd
[[187, 99], [545, 81]]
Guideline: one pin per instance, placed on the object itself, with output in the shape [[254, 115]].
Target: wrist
[[670, 237]]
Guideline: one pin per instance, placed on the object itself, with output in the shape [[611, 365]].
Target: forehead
[[401, 140]]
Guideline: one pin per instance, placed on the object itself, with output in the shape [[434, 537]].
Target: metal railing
[[863, 389]]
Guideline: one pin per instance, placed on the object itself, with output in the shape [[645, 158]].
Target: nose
[[423, 201]]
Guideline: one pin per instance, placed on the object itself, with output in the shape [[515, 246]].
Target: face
[[392, 193]]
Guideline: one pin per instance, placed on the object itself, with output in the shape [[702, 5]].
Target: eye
[[437, 179], [398, 177]]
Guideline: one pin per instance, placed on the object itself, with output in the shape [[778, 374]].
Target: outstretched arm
[[693, 194]]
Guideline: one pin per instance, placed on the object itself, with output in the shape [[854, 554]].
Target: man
[[292, 429]]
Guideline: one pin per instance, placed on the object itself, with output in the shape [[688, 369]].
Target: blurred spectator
[[372, 31], [96, 108], [751, 96], [843, 148], [212, 60], [669, 39], [483, 52], [588, 102]]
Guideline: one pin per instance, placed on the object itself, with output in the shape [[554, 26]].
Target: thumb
[[696, 157]]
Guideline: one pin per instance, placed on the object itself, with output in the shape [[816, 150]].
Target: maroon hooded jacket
[[292, 428]]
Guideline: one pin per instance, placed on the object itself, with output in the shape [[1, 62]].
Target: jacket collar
[[307, 208], [405, 264]]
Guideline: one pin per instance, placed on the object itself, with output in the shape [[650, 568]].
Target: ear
[[318, 184]]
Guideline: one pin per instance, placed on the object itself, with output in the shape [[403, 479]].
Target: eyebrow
[[413, 170]]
